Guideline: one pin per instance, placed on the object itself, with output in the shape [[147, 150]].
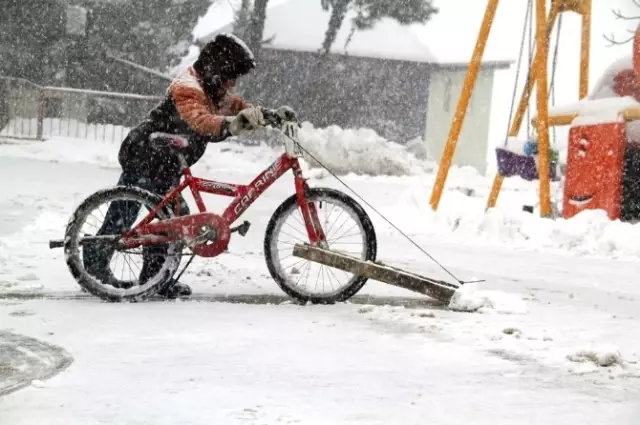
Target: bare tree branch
[[619, 15], [613, 42]]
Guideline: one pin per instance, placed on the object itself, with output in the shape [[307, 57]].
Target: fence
[[30, 111]]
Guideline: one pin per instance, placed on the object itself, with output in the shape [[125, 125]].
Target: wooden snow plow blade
[[438, 289]]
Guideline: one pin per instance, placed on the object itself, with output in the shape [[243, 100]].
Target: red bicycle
[[319, 216]]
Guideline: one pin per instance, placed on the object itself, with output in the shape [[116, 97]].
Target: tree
[[339, 9], [621, 16], [256, 24], [153, 34], [35, 45], [369, 12], [29, 28], [242, 19]]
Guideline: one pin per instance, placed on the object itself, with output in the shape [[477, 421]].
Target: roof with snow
[[447, 39]]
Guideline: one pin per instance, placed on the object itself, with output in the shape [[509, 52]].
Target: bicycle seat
[[159, 140]]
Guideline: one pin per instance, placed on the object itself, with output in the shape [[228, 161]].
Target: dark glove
[[286, 113]]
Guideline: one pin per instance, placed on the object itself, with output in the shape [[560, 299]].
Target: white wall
[[444, 92]]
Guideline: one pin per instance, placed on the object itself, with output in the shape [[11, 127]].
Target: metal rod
[[542, 42], [53, 90], [585, 48], [463, 103]]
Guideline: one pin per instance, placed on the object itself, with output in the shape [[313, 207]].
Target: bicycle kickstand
[[184, 268]]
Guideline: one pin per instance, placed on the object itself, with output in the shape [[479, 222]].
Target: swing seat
[[514, 164]]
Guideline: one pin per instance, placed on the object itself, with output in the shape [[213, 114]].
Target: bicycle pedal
[[242, 229]]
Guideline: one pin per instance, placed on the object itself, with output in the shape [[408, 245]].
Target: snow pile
[[603, 87], [462, 216], [589, 232], [469, 298], [602, 357], [346, 151], [359, 151], [343, 151]]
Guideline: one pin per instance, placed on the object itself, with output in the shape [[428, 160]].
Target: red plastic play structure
[[602, 160]]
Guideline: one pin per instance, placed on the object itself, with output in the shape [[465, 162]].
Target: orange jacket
[[196, 109]]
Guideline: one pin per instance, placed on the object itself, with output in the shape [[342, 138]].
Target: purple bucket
[[511, 164]]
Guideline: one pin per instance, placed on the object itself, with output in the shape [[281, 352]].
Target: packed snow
[[469, 298]]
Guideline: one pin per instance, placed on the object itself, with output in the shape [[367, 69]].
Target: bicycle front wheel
[[348, 229]]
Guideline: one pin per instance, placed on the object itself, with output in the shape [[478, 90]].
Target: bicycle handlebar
[[273, 119]]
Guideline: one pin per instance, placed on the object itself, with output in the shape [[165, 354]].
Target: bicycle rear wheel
[[94, 263]]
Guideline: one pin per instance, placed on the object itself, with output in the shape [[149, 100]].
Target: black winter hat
[[226, 56]]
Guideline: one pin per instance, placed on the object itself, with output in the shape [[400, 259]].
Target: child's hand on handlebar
[[248, 119], [286, 113]]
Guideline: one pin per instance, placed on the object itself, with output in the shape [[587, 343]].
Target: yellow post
[[522, 106], [463, 103], [542, 42], [585, 48]]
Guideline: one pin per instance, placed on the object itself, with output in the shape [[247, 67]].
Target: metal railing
[[30, 111]]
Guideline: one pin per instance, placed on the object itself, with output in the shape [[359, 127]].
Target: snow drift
[[395, 181], [343, 151]]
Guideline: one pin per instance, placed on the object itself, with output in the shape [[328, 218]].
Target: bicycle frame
[[243, 197]]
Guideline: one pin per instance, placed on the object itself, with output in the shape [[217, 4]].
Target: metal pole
[[463, 103], [585, 48], [543, 107], [41, 113]]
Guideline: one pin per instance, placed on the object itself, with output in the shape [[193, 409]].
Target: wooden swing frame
[[538, 77]]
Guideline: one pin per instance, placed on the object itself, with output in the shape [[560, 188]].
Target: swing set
[[536, 161]]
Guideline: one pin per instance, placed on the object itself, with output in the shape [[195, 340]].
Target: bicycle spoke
[[340, 225], [346, 233], [295, 264], [308, 265], [331, 227], [293, 237], [303, 235]]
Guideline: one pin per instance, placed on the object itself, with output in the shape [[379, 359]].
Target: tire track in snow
[[418, 301], [24, 359]]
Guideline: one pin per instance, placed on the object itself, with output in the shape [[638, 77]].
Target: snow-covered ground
[[552, 339]]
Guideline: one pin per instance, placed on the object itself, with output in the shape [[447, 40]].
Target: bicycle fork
[[310, 215]]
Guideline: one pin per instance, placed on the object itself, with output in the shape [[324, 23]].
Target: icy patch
[[469, 298]]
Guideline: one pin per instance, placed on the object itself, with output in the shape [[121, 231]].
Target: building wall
[[445, 89], [388, 96]]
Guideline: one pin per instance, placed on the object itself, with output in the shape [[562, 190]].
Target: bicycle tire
[[72, 247], [270, 253]]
